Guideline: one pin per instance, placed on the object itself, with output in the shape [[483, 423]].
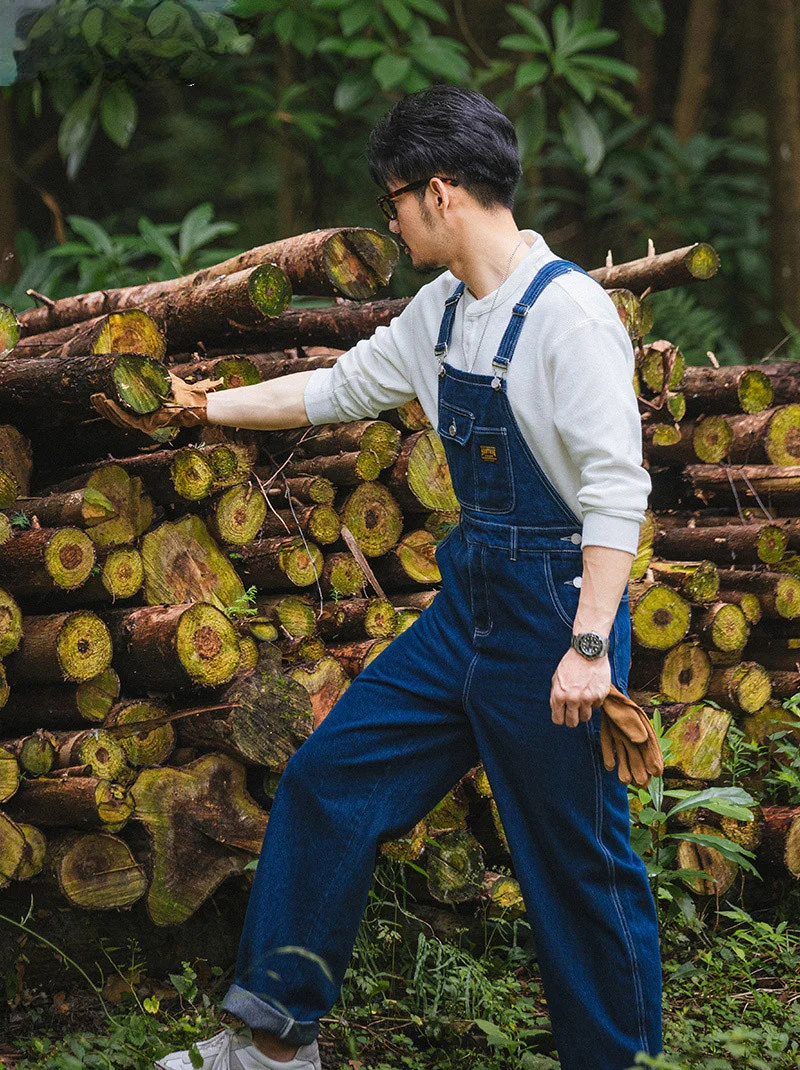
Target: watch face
[[590, 645]]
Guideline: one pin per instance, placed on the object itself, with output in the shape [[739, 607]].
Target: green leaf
[[284, 25], [92, 26], [441, 56], [119, 114], [356, 17], [531, 73], [532, 126], [95, 497], [650, 13], [532, 23], [390, 70], [562, 29], [494, 1036], [164, 18], [582, 41], [431, 9], [727, 848], [607, 65], [353, 91], [400, 15], [362, 48], [521, 42], [583, 84], [730, 802], [582, 135], [616, 100], [195, 1058], [159, 243], [94, 234], [78, 128]]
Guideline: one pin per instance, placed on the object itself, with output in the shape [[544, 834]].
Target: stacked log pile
[[178, 612]]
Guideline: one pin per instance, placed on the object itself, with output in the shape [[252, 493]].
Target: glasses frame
[[386, 202]]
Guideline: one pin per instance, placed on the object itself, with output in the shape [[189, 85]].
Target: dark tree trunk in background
[[698, 46], [783, 65], [640, 50], [9, 268]]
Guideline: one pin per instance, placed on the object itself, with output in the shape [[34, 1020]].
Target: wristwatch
[[590, 645]]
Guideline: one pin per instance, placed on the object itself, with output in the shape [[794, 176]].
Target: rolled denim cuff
[[260, 1015]]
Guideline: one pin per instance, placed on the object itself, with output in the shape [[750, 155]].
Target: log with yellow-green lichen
[[131, 331], [696, 580], [262, 717], [278, 564], [737, 388], [779, 595], [696, 739], [95, 748], [354, 618], [95, 870], [202, 826], [343, 470], [309, 490], [183, 563], [166, 648], [742, 545], [660, 617], [745, 687], [37, 844], [42, 560], [318, 522], [59, 706], [295, 615], [324, 681], [722, 626], [653, 361], [35, 753], [356, 655], [412, 563], [15, 852], [238, 514], [420, 475], [150, 745], [454, 866], [9, 774], [341, 575], [379, 436], [373, 517], [79, 802], [9, 330], [60, 646]]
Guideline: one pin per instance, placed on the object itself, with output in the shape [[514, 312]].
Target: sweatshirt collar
[[538, 254]]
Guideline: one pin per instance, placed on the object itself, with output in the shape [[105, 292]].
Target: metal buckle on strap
[[520, 310], [500, 364], [440, 350], [453, 299]]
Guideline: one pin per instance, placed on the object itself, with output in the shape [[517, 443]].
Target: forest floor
[[433, 990]]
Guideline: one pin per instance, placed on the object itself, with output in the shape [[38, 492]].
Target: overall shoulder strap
[[446, 326], [543, 277]]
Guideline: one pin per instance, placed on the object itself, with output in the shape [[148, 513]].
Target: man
[[520, 361]]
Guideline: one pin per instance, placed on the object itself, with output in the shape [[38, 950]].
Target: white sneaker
[[233, 1049]]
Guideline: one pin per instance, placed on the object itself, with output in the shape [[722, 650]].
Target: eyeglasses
[[386, 202]]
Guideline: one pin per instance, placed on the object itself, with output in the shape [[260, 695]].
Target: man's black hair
[[449, 131]]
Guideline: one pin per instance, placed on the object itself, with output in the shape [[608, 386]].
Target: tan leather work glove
[[186, 408], [626, 730]]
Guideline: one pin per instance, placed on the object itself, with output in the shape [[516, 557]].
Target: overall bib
[[469, 682]]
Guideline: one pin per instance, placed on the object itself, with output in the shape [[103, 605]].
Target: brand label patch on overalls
[[489, 453]]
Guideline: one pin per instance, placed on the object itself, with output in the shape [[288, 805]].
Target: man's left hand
[[579, 685]]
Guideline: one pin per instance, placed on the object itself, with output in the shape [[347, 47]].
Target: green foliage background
[[132, 113]]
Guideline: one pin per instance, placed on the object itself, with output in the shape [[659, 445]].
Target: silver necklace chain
[[494, 302]]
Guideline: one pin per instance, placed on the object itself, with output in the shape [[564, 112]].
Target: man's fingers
[[586, 711], [571, 714]]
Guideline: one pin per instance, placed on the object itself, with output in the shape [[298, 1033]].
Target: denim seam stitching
[[598, 798], [468, 681], [552, 592]]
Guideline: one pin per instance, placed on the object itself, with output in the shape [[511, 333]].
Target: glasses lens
[[388, 209]]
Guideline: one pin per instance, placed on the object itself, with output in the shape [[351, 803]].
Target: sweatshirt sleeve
[[597, 417], [372, 376]]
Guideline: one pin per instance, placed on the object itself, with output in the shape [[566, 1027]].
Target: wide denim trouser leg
[[443, 696], [391, 747]]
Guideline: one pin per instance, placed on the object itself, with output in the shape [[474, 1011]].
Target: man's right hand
[[186, 408]]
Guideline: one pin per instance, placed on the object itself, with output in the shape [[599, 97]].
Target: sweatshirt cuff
[[615, 532], [318, 398]]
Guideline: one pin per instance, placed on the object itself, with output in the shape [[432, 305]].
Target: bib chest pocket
[[479, 460]]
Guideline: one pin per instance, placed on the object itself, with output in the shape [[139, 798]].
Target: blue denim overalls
[[468, 682]]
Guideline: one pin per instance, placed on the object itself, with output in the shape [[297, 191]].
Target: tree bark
[[783, 62], [700, 36]]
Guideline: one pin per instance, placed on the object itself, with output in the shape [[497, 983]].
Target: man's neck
[[483, 259]]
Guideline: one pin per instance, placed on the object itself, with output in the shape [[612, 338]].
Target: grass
[[469, 999]]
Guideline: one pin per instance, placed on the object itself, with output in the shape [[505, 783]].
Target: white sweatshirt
[[569, 385]]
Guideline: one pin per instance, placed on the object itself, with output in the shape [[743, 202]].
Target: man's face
[[416, 228]]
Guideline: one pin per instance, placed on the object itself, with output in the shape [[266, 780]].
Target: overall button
[[575, 538], [453, 428], [577, 581]]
